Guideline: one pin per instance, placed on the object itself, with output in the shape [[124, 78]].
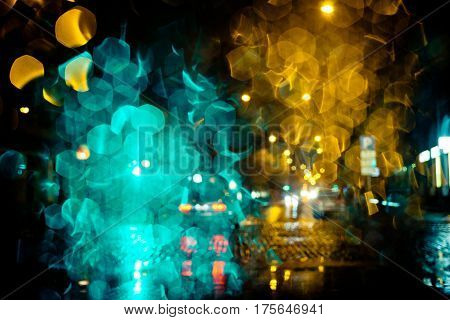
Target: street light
[[435, 152], [327, 8], [444, 144], [306, 97], [424, 156], [245, 97], [24, 110]]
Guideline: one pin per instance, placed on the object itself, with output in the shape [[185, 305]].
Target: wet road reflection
[[434, 252], [322, 259]]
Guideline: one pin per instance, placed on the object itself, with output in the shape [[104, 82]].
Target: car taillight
[[218, 273], [185, 207], [186, 269], [188, 244], [219, 207], [219, 244]]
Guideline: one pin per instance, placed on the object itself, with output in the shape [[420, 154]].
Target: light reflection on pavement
[[321, 259]]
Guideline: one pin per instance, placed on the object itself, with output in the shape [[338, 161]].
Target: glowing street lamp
[[246, 97], [24, 110], [306, 97], [435, 152], [424, 156], [444, 144], [327, 8]]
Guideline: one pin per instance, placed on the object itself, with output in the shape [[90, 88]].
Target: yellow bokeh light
[[287, 275], [287, 152], [289, 160], [24, 110], [306, 97], [51, 99], [24, 69], [327, 8], [372, 208], [301, 61], [76, 73], [244, 62], [273, 284], [272, 138], [246, 97], [74, 28]]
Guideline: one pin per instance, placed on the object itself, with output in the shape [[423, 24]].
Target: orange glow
[[219, 207], [218, 273], [185, 207]]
